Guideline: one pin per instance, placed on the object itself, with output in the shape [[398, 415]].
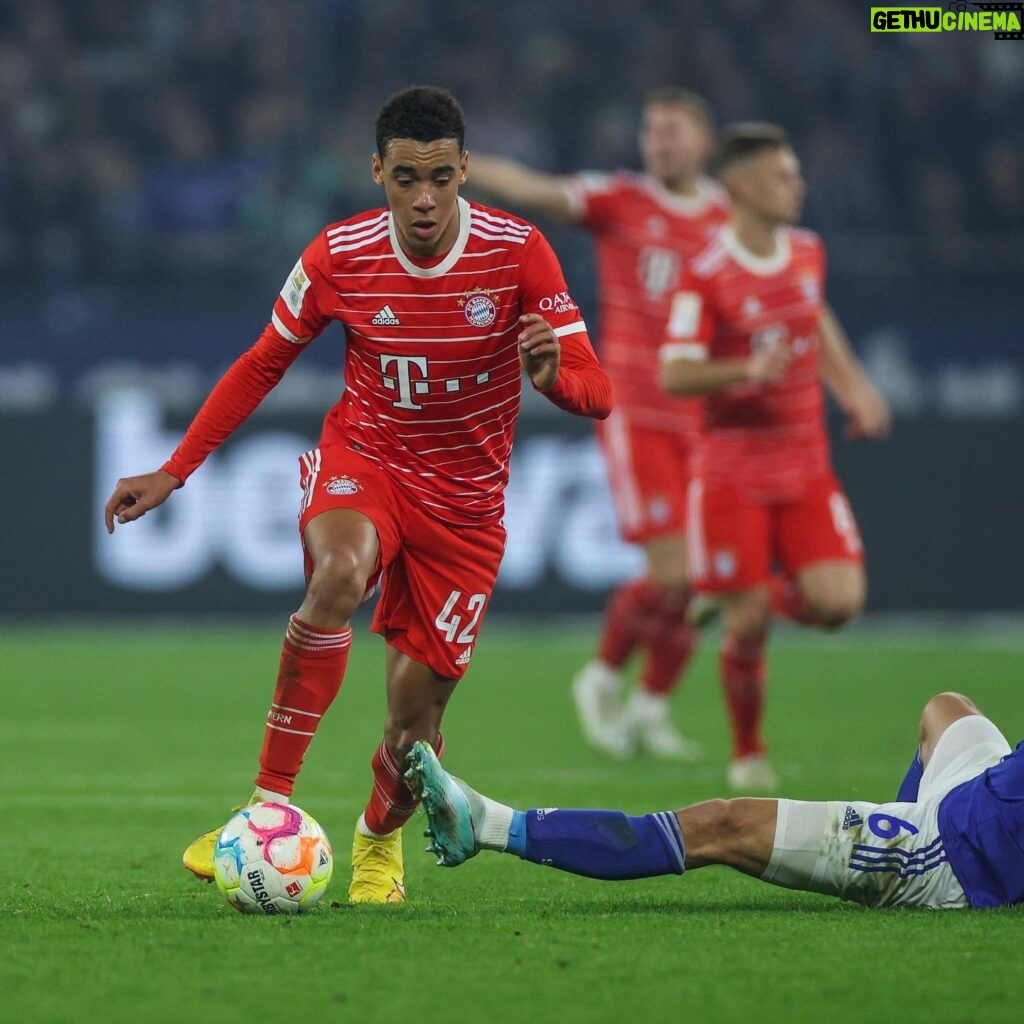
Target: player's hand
[[539, 351], [768, 364], [868, 411], [134, 496]]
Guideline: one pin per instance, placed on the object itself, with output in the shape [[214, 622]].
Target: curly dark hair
[[423, 113]]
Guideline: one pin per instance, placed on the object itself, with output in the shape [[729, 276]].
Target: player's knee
[[833, 596], [942, 710], [748, 620], [672, 582], [832, 607], [726, 820], [338, 582], [670, 576], [836, 611], [712, 827]]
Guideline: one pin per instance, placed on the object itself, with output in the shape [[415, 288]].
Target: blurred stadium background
[[163, 162]]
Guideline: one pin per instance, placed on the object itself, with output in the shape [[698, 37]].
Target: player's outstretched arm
[[134, 496], [683, 376], [868, 411], [521, 187], [245, 384]]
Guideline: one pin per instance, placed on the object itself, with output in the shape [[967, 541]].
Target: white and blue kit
[[982, 827], [960, 844]]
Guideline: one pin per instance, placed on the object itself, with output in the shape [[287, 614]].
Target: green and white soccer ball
[[272, 859]]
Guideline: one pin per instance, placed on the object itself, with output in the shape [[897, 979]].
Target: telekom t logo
[[402, 379]]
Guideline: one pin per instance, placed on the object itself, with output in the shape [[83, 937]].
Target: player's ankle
[[491, 820]]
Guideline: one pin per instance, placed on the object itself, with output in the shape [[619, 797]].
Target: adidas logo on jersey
[[851, 818], [386, 318], [463, 658]]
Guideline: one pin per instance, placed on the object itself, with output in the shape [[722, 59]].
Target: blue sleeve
[[1006, 779]]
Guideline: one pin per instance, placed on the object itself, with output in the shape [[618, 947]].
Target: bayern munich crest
[[479, 307], [342, 485]]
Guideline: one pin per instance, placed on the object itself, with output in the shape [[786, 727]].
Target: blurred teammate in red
[[645, 227], [749, 329], [444, 304]]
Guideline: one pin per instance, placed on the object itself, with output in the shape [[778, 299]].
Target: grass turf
[[120, 744]]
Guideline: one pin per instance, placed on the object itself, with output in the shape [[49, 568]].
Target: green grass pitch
[[119, 745]]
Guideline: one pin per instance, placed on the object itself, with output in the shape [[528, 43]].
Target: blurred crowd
[[147, 141]]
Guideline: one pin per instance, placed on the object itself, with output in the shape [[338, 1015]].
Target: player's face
[[421, 181], [674, 143], [772, 185]]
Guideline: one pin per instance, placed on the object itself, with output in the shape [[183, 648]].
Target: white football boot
[[597, 693], [752, 774], [647, 715]]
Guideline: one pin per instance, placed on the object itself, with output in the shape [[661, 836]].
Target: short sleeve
[[543, 289], [691, 321], [595, 199], [298, 312]]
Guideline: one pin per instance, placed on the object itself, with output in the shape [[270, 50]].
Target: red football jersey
[[767, 441], [432, 372], [643, 236]]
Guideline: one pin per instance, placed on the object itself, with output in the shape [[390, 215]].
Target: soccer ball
[[272, 859]]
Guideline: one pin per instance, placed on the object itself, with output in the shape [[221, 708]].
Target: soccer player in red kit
[[749, 330], [441, 304], [645, 228]]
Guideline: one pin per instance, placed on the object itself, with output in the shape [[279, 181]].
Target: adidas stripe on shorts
[[884, 855]]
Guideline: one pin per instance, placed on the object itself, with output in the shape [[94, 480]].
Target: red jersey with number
[[767, 441], [643, 237], [432, 371]]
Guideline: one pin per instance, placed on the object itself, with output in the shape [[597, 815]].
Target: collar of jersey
[[763, 266], [454, 254], [688, 206]]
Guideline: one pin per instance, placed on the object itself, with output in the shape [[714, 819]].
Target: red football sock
[[391, 801], [312, 667], [786, 600], [742, 666], [627, 619], [668, 642]]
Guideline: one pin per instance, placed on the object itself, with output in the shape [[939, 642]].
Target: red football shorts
[[733, 543], [436, 578], [648, 471]]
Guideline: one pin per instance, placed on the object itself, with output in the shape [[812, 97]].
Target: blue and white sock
[[599, 844], [911, 783]]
